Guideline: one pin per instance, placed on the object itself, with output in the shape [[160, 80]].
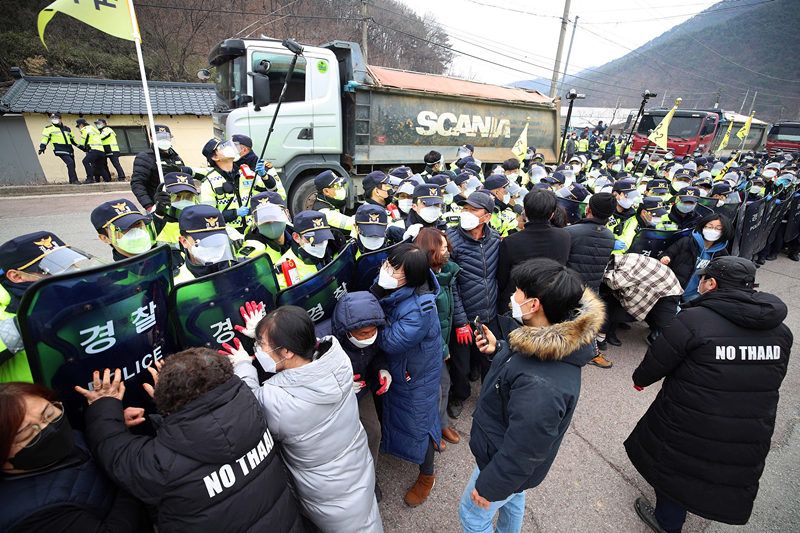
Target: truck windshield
[[686, 127], [785, 132], [230, 84]]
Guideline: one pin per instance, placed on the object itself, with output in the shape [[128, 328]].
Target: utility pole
[[719, 95], [557, 67], [753, 103], [364, 19], [744, 101], [569, 53], [614, 115]]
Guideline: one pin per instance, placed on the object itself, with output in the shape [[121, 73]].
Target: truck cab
[[784, 136], [689, 131]]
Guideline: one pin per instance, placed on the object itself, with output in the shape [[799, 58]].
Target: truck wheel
[[303, 196]]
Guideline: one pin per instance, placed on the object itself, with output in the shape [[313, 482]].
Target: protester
[[212, 464], [50, 480], [690, 254], [311, 410], [448, 302], [536, 371], [411, 340], [703, 442], [538, 239]]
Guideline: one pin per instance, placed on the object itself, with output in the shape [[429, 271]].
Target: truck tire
[[302, 195]]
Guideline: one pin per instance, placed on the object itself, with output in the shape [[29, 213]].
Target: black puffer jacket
[[212, 466], [537, 371], [591, 245], [144, 180], [477, 281], [683, 254], [704, 439]]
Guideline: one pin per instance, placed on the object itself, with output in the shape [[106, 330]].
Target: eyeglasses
[[33, 432]]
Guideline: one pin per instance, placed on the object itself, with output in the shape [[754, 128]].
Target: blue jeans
[[477, 520]]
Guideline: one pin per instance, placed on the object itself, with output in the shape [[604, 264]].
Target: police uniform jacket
[[212, 466], [144, 180], [61, 137], [704, 439]]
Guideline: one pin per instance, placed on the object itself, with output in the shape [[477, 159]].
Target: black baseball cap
[[721, 188], [268, 206], [313, 225], [373, 179], [690, 194], [176, 182], [202, 221], [624, 186], [481, 199], [495, 181], [40, 249], [733, 270], [371, 220], [244, 140], [655, 205], [122, 213], [429, 193]]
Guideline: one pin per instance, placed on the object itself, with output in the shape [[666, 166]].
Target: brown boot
[[451, 435], [417, 494], [442, 446]]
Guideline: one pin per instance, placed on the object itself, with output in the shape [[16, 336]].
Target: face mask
[[616, 168], [625, 202], [680, 185], [711, 235], [506, 198], [576, 168], [685, 207], [405, 204], [363, 344], [756, 189], [703, 193], [164, 145], [387, 281], [430, 214], [54, 444], [267, 363], [468, 191], [316, 250], [372, 243], [769, 174], [653, 222], [182, 204], [340, 195], [55, 121], [516, 309], [272, 230], [448, 198], [469, 221], [208, 255], [135, 241]]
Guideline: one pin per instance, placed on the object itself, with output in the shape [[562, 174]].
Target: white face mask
[[182, 204], [506, 197], [430, 214], [135, 241], [316, 250], [386, 280], [267, 363], [469, 221], [625, 202], [55, 121], [209, 255], [516, 309], [164, 144], [372, 243], [711, 235], [616, 167], [468, 191], [340, 195], [680, 185], [363, 344], [405, 204], [756, 189], [448, 198], [684, 207]]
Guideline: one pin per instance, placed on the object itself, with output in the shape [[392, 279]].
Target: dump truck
[[338, 113]]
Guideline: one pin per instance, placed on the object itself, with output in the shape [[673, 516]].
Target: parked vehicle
[[784, 136]]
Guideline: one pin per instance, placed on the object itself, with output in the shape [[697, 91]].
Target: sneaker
[[454, 408], [601, 361], [647, 514], [602, 346]]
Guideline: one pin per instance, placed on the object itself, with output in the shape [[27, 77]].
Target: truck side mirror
[[203, 74], [261, 92]]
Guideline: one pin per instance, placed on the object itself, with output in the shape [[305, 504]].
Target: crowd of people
[[516, 276]]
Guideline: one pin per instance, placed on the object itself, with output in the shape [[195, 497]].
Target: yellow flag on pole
[[520, 147], [727, 136], [110, 16], [744, 130], [659, 135]]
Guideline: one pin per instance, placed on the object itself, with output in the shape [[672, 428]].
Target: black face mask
[[55, 444]]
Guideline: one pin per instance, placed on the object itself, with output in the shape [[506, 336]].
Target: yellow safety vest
[[504, 221], [304, 270], [90, 138], [59, 137], [212, 193], [626, 233], [169, 234], [16, 368], [256, 248], [583, 145], [109, 139]]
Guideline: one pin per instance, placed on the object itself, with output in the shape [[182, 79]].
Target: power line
[[705, 12], [265, 16], [236, 12]]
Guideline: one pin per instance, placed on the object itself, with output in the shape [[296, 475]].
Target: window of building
[[131, 139]]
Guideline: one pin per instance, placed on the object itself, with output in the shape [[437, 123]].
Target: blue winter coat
[[357, 310], [477, 280], [412, 343]]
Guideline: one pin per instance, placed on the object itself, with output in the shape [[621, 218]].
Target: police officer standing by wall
[[94, 162], [61, 137], [110, 146]]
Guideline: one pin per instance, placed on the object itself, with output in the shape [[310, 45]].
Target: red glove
[[358, 383], [385, 379], [464, 334], [637, 387]]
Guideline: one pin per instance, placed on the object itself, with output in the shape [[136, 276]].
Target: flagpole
[[749, 121], [137, 39]]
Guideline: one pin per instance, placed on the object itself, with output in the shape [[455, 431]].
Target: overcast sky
[[477, 25]]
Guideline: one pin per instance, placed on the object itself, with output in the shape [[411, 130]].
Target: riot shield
[[651, 242], [113, 316], [318, 294], [575, 210], [203, 311], [793, 219], [367, 267], [748, 228]]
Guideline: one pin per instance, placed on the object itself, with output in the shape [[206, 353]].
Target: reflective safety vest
[[90, 138], [617, 148], [253, 248], [583, 145], [623, 230], [212, 193], [169, 234], [304, 270], [14, 366], [109, 139], [183, 274], [336, 219], [60, 136], [602, 146], [504, 221]]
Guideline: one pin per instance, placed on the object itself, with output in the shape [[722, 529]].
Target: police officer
[[204, 241], [504, 219], [313, 246], [25, 260], [684, 212], [145, 179], [121, 225], [270, 232], [623, 223], [225, 188], [434, 163], [180, 191], [262, 168], [405, 196], [658, 187], [94, 162], [378, 190], [110, 146], [61, 137], [331, 200], [582, 146], [371, 227], [681, 179], [426, 211], [651, 213]]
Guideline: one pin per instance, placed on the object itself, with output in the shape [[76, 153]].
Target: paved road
[[592, 485]]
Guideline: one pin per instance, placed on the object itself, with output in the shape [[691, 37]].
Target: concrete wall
[[189, 133]]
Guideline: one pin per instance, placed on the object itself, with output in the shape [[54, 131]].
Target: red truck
[[784, 136], [690, 130]]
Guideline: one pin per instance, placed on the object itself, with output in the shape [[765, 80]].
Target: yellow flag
[[727, 136], [110, 16], [520, 147], [742, 133], [659, 135]]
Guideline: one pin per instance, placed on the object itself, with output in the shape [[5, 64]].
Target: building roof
[[90, 96], [434, 83]]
